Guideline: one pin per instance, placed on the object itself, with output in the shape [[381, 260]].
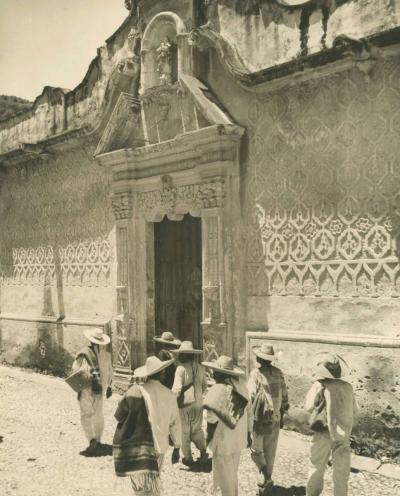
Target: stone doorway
[[178, 277]]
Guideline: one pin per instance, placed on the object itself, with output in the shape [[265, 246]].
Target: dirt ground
[[41, 440]]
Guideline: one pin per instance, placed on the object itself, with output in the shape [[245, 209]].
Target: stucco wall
[[320, 182], [56, 246], [266, 34]]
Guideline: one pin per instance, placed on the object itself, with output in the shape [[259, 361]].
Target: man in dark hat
[[165, 343], [269, 399], [333, 438]]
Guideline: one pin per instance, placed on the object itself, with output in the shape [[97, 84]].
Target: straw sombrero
[[187, 348], [152, 366], [97, 336], [330, 366], [167, 338], [265, 352], [224, 365]]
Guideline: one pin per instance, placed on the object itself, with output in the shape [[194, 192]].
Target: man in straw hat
[[147, 418], [269, 399], [165, 343], [96, 358], [228, 422], [189, 385], [333, 439]]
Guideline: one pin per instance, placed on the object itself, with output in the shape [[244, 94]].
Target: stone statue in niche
[[165, 61], [132, 5]]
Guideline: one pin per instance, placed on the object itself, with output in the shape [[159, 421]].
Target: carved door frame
[[195, 173]]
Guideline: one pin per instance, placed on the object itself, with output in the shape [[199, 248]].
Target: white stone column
[[122, 207]]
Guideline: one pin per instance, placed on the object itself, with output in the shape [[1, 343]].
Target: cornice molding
[[197, 149], [344, 49]]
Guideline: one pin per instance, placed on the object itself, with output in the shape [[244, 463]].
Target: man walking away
[[228, 423], [189, 385], [165, 343], [333, 438], [96, 359], [147, 417], [269, 399]]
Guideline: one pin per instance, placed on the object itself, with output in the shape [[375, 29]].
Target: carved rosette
[[213, 193], [122, 205], [168, 194], [170, 198]]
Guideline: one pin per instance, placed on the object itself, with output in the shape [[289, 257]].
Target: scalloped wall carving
[[323, 191], [56, 216]]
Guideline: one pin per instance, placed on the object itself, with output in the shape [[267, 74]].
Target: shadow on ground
[[103, 450], [288, 491], [199, 467]]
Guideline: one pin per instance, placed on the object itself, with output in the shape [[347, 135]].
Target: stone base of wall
[[42, 344], [375, 377]]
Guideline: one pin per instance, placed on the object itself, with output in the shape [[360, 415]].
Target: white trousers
[[192, 430], [225, 474], [322, 447], [92, 418], [264, 446]]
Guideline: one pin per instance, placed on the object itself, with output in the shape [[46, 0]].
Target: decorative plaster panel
[[56, 222], [324, 187]]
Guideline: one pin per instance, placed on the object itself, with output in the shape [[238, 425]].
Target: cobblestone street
[[41, 438]]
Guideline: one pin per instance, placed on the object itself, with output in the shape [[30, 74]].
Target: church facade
[[227, 170]]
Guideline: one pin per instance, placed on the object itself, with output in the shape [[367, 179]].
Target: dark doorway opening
[[178, 278]]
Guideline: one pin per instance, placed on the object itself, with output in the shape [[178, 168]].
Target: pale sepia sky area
[[51, 42]]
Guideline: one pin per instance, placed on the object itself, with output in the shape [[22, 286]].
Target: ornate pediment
[[161, 114]]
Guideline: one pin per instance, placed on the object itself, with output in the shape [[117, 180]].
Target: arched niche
[[162, 59]]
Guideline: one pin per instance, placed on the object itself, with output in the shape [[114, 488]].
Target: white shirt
[[226, 441], [190, 373], [341, 406], [105, 366]]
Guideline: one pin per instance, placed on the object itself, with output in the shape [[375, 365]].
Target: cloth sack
[[262, 405], [80, 378], [318, 420]]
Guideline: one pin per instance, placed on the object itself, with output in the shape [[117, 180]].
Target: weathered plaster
[[57, 246], [273, 34]]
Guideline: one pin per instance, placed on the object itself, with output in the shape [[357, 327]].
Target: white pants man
[[322, 446], [92, 418]]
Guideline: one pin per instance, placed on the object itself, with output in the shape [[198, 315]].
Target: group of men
[[164, 407]]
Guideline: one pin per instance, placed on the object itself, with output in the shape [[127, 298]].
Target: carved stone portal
[[197, 173]]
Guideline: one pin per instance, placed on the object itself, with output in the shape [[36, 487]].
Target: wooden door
[[178, 279]]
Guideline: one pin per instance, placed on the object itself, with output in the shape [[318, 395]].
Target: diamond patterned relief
[[331, 209], [65, 230]]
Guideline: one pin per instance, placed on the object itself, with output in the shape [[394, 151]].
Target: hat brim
[[104, 341], [236, 371], [322, 372], [174, 342], [143, 371], [264, 356], [187, 352]]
